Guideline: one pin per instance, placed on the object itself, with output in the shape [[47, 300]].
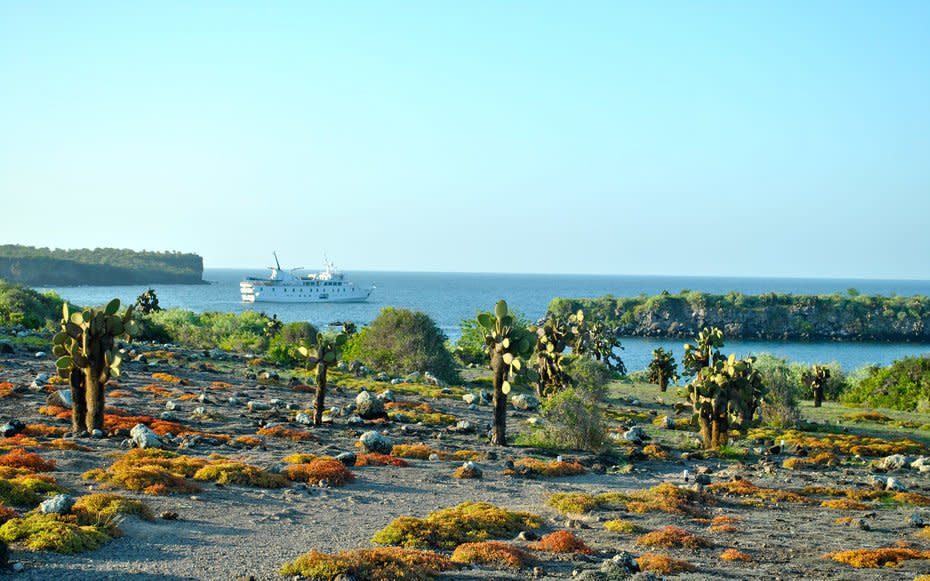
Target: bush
[[20, 305], [282, 347], [590, 378], [572, 422], [779, 407], [400, 341], [243, 332], [903, 385]]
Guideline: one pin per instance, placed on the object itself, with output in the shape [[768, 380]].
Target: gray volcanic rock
[[374, 442]]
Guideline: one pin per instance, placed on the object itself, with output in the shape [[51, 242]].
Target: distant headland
[[100, 266]]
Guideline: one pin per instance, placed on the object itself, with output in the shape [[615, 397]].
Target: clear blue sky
[[679, 138]]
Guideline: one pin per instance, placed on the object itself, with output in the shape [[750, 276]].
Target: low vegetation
[[450, 527]]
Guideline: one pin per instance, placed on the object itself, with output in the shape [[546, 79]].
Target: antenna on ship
[[275, 254]]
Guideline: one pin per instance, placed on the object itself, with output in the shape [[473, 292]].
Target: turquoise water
[[450, 297]]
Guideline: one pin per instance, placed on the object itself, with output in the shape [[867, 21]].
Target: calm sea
[[450, 297]]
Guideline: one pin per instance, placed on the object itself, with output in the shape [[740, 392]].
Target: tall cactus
[[552, 337], [594, 339], [816, 379], [662, 368], [723, 392], [506, 345], [88, 358], [323, 353]]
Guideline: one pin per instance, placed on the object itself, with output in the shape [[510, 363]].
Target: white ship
[[328, 286]]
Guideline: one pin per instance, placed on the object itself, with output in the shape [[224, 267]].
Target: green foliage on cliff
[[30, 265], [849, 316], [20, 305], [903, 385]]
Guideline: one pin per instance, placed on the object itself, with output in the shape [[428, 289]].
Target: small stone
[[60, 398], [11, 428], [387, 395], [303, 418], [915, 521], [169, 515], [18, 567], [200, 411], [143, 437], [347, 458], [895, 485], [527, 536], [636, 434], [665, 422], [524, 402], [374, 442], [893, 462], [59, 504], [470, 398], [255, 406], [369, 407], [168, 416], [171, 405], [98, 434]]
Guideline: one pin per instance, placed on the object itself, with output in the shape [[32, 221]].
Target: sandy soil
[[230, 532]]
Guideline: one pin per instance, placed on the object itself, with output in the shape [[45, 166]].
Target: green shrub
[[779, 406], [243, 332], [20, 305], [400, 341], [590, 378], [282, 347], [903, 385], [572, 422]]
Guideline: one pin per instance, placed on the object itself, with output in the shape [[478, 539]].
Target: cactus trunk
[[818, 395], [663, 381], [320, 393], [499, 434], [78, 401], [94, 395]]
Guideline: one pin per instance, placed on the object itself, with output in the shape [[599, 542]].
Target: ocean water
[[450, 297]]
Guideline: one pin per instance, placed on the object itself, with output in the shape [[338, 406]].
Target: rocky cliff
[[46, 271]]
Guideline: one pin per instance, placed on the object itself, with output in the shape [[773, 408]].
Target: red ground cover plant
[[663, 564], [20, 458], [734, 555], [282, 432], [326, 469], [494, 553], [7, 513], [672, 536], [562, 542], [44, 430], [873, 558], [376, 459], [548, 469]]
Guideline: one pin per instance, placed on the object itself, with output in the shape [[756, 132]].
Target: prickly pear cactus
[[723, 392], [507, 345], [662, 369], [552, 337], [323, 353], [816, 379], [88, 358]]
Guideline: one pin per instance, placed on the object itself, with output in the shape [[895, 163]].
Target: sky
[[765, 138]]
